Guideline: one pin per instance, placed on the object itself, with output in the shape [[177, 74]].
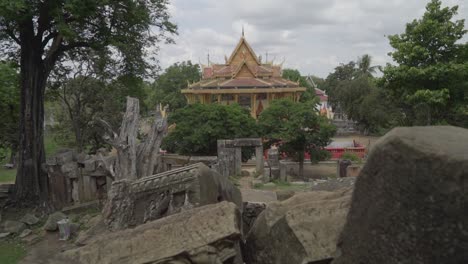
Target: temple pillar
[[236, 98]]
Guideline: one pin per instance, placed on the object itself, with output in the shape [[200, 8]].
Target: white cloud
[[313, 35]]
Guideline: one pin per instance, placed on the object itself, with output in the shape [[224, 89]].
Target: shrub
[[351, 156]]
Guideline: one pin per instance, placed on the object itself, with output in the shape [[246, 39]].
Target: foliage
[[430, 81], [295, 75], [166, 88], [297, 127], [353, 90], [198, 127], [9, 107], [82, 99], [48, 33], [319, 155], [11, 252], [351, 156]]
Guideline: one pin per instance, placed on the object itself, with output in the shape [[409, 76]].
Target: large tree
[[297, 128], [430, 81], [198, 127], [42, 32], [167, 86]]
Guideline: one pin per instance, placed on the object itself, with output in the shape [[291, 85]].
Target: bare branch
[[12, 36]]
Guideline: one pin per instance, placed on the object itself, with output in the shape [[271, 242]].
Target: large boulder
[[410, 202], [131, 203], [207, 234], [302, 229]]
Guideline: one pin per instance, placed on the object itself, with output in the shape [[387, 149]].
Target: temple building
[[242, 79]]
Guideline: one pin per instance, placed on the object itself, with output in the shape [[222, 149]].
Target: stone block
[[410, 201], [131, 203], [302, 229], [207, 234]]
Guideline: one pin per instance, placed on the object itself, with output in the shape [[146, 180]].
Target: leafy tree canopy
[[295, 75], [198, 127], [297, 127], [430, 81], [166, 88]]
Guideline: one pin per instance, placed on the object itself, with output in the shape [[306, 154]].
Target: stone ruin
[[209, 234], [131, 203], [78, 178], [407, 206], [230, 156]]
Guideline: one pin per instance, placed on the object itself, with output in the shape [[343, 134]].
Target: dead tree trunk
[[148, 151], [125, 143], [134, 161]]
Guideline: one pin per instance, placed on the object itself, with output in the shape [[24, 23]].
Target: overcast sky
[[313, 36]]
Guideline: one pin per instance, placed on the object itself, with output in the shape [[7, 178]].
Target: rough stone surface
[[132, 203], [3, 235], [251, 211], [302, 229], [410, 201], [258, 196], [25, 233], [284, 194], [29, 219], [208, 234], [51, 223], [332, 184], [15, 227]]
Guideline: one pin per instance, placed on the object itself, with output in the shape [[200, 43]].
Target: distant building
[[242, 79], [324, 107]]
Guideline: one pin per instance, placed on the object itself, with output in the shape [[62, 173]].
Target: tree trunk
[[31, 181], [148, 151]]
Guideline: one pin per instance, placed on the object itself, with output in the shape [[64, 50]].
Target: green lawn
[[11, 252], [7, 176]]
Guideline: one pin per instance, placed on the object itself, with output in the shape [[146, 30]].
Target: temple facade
[[242, 79]]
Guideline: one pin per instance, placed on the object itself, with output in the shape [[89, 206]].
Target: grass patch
[[7, 175], [11, 252], [235, 180], [50, 145]]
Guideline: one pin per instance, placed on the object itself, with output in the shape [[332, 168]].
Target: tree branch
[[12, 36]]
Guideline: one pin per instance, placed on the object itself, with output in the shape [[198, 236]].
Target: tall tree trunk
[[31, 181]]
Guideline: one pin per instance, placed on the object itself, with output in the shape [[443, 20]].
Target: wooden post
[[236, 98]]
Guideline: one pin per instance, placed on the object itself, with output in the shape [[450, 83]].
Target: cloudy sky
[[313, 36]]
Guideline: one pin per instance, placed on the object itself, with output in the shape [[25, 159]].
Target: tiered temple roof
[[243, 69], [242, 79]]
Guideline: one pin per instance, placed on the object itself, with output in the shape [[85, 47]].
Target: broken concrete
[[302, 229], [131, 203], [410, 200], [208, 234]]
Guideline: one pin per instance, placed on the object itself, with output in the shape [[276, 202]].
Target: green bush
[[351, 156]]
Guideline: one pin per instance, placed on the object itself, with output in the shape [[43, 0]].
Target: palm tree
[[364, 66]]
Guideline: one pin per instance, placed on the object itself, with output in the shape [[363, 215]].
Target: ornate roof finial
[[242, 30]]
